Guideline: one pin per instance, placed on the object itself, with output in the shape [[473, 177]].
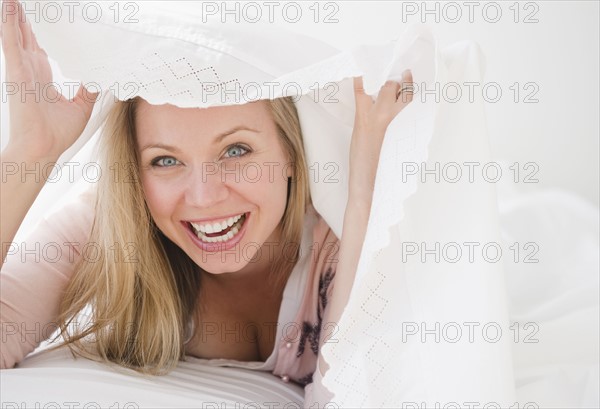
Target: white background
[[559, 53]]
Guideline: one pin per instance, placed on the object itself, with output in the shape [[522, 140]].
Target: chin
[[221, 267]]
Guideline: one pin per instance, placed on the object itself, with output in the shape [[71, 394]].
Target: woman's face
[[201, 169]]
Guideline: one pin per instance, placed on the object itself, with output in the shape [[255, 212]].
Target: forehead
[[154, 120]]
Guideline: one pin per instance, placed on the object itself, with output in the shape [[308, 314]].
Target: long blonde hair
[[143, 289]]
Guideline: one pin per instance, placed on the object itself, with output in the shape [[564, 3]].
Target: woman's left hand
[[370, 124]]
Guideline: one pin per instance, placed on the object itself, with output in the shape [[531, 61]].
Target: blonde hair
[[140, 308]]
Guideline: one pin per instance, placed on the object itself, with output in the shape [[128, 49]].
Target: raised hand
[[370, 124], [43, 123]]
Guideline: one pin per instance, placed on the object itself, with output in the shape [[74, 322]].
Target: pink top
[[37, 272]]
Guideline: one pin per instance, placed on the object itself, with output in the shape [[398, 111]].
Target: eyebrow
[[217, 140]]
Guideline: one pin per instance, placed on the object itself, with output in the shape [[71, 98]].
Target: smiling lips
[[219, 231]]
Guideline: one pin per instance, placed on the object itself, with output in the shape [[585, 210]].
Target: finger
[[358, 86], [11, 34], [31, 39], [406, 93], [25, 28], [34, 42], [362, 99], [387, 93]]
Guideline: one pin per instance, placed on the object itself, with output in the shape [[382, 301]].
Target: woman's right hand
[[43, 123]]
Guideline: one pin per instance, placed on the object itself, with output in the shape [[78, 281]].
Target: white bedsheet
[[52, 379]]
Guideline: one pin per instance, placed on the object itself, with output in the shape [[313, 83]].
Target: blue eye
[[167, 162], [238, 150]]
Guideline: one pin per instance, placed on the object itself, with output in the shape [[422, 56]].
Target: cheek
[[274, 191], [159, 197], [269, 183]]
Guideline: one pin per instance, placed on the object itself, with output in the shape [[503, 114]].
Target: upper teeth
[[216, 227]]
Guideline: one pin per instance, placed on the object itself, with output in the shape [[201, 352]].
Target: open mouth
[[218, 232]]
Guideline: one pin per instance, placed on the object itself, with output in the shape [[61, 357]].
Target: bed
[[50, 379]]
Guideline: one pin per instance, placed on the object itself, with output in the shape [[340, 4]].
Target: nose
[[206, 188]]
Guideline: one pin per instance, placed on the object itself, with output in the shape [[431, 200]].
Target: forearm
[[372, 118], [356, 219], [22, 180]]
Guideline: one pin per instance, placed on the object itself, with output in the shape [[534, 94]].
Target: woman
[[213, 203]]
